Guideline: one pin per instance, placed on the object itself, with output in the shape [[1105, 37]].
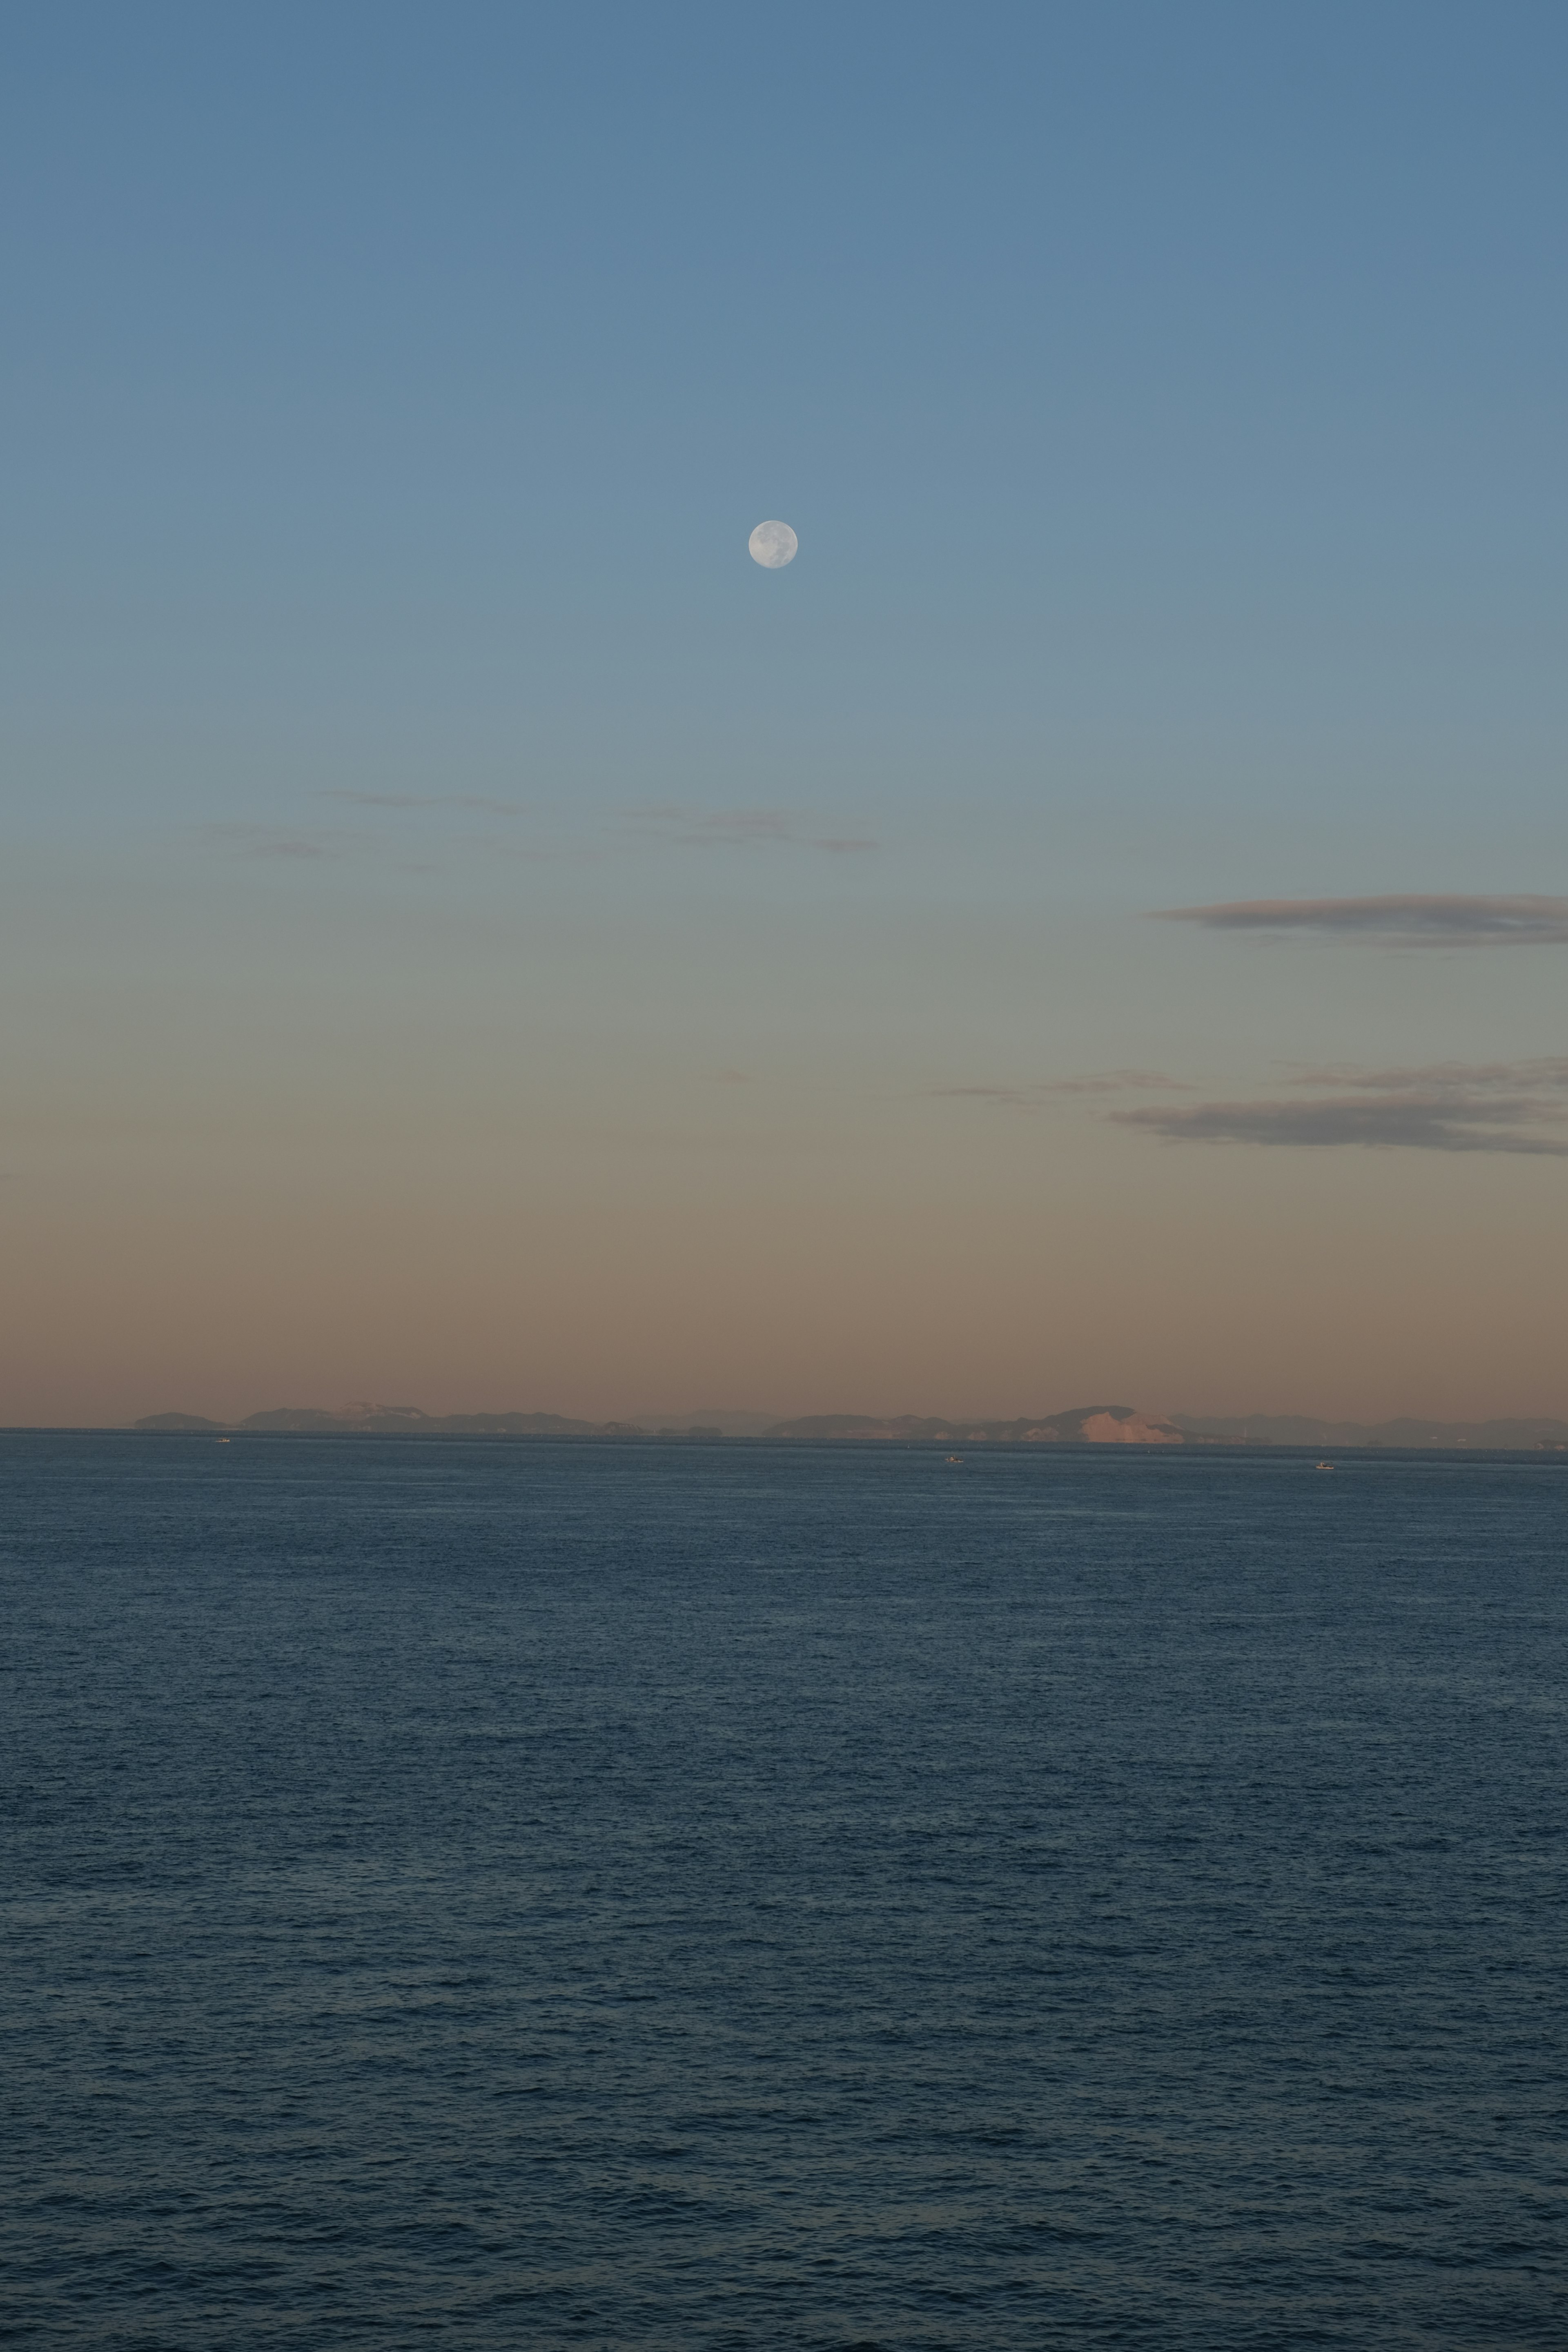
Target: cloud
[[1099, 1081], [1432, 922], [668, 823], [481, 802], [279, 841], [1548, 1074], [739, 828], [1509, 1107], [1501, 1107], [714, 824], [297, 844]]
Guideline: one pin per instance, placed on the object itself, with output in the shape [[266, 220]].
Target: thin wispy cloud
[[734, 828], [1045, 1090], [667, 825], [1545, 1074], [472, 803], [309, 843], [1518, 1107], [1431, 922], [281, 841]]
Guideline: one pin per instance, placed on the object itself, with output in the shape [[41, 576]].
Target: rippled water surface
[[688, 1896]]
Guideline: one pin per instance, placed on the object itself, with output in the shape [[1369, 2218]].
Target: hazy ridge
[[1094, 1424]]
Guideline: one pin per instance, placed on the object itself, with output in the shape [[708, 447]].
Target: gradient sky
[[470, 938]]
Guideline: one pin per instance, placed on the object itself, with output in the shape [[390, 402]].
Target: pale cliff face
[[1102, 1429]]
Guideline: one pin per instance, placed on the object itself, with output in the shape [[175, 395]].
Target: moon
[[772, 545]]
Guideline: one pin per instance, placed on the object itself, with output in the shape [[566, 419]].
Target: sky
[[1093, 927]]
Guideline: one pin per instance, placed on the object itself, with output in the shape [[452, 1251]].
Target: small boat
[[956, 1457], [1323, 1465]]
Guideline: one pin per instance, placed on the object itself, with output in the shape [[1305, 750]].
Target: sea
[[675, 1895]]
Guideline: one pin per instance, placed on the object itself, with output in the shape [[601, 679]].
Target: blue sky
[[1169, 402]]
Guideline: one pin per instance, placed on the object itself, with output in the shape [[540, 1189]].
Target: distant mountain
[[1297, 1429], [715, 1420], [408, 1421], [395, 1421], [1087, 1424], [1093, 1424]]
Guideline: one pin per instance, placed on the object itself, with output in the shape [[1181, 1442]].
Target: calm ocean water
[[687, 1896]]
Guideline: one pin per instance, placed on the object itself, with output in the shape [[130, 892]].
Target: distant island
[[1089, 1424], [397, 1421]]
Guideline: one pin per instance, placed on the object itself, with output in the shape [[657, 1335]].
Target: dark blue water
[[697, 1896]]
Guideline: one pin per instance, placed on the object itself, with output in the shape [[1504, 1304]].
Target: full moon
[[773, 544]]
